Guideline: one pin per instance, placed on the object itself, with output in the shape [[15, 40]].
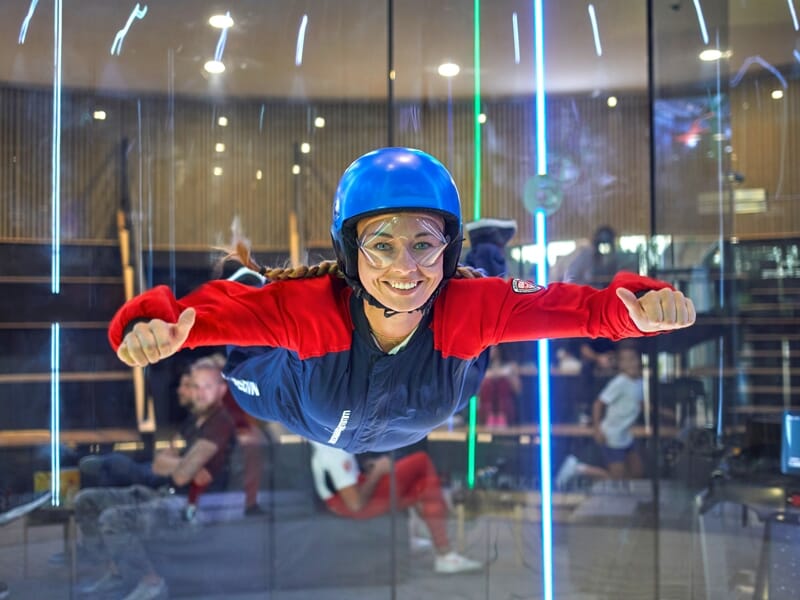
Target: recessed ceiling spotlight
[[482, 118], [221, 21], [99, 115], [710, 55], [214, 66], [305, 147], [448, 69], [612, 101], [295, 169], [319, 122], [219, 147], [222, 121], [217, 171], [777, 94]]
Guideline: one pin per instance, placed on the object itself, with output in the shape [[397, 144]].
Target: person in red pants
[[350, 493], [253, 441]]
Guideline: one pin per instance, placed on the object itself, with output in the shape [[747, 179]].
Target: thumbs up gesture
[[151, 341], [658, 310]]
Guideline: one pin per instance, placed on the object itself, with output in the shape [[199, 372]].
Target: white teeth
[[398, 285]]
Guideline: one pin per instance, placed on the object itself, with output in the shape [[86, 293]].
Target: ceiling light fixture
[[305, 147], [448, 69], [319, 122], [482, 118], [219, 147], [99, 115], [794, 15], [701, 20], [595, 31], [776, 94], [222, 121], [710, 55], [301, 40], [214, 67], [612, 101], [221, 21], [515, 29], [217, 171]]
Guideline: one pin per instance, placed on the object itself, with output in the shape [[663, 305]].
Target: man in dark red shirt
[[115, 521]]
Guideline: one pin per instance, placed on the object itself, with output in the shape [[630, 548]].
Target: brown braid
[[242, 254]]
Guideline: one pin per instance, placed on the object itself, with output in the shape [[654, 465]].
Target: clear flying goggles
[[384, 240]]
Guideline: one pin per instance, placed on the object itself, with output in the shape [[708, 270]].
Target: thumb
[[184, 325], [631, 302]]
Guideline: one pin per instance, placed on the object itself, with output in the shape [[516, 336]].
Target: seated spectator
[[115, 521], [614, 413], [350, 493], [120, 470], [497, 396]]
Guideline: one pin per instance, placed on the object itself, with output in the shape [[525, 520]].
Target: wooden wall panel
[[599, 157]]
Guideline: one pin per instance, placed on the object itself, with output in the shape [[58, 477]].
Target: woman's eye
[[422, 245], [383, 246]]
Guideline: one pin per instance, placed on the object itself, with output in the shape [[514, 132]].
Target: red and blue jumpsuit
[[301, 352]]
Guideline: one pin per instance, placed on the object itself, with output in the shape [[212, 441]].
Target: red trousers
[[417, 484]]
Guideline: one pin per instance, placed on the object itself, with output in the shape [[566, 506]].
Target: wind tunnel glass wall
[[139, 143]]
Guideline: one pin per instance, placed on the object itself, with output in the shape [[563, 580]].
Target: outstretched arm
[[155, 325]]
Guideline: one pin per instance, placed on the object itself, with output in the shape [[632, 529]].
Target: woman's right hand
[[149, 342]]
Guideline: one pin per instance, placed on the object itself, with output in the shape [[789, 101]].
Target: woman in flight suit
[[375, 350]]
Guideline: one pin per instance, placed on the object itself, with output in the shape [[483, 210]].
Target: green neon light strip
[[473, 402], [473, 418]]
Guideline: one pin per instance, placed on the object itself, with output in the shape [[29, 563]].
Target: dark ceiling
[[345, 53]]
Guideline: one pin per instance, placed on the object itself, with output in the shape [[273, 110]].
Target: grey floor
[[604, 547]]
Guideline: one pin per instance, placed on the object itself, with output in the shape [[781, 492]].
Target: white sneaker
[[452, 562], [568, 470]]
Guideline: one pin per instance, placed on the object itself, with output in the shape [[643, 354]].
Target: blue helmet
[[394, 180]]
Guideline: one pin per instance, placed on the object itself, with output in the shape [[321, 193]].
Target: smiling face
[[400, 258]]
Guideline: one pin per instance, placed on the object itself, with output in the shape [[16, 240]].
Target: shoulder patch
[[523, 286]]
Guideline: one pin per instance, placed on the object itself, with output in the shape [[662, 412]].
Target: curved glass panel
[[141, 144]]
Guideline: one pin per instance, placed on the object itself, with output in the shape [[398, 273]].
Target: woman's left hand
[[658, 310]]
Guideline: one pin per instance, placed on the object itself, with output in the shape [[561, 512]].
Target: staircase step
[[96, 257]]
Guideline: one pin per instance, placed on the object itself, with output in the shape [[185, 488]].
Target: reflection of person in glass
[[597, 264], [374, 351], [614, 412], [349, 492]]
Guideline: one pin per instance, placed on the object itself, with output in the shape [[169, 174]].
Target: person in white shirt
[[614, 413], [350, 493]]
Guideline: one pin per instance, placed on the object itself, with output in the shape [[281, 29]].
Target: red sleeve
[[476, 313], [282, 314]]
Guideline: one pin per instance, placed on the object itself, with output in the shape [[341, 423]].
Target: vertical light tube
[[473, 420], [55, 262], [473, 401], [540, 227], [55, 414], [543, 346], [476, 59], [55, 184]]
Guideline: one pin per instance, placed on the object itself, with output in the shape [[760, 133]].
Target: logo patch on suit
[[523, 286]]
